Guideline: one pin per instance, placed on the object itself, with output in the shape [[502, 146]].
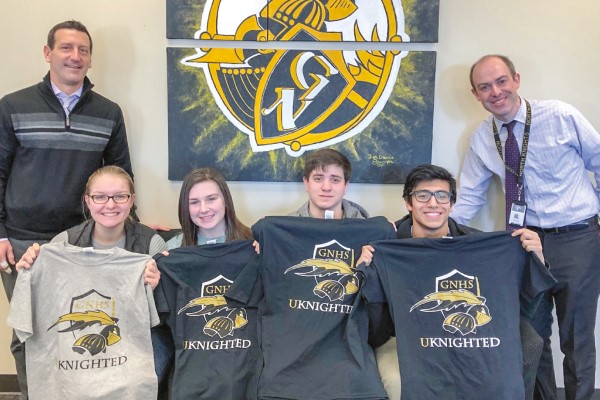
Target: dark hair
[[234, 228], [71, 24], [428, 172], [504, 59], [322, 158]]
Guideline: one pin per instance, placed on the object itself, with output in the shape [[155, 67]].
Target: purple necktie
[[511, 159]]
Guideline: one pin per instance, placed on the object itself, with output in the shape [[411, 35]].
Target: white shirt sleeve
[[474, 180]]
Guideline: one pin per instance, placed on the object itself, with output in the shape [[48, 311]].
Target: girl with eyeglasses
[[109, 197]]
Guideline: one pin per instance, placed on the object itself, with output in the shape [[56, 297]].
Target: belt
[[568, 228]]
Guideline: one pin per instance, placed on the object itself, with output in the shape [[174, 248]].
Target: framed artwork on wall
[[208, 126], [262, 20], [279, 79]]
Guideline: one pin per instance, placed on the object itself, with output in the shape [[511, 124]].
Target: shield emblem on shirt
[[456, 280], [215, 287], [332, 268], [334, 250], [91, 322], [94, 301], [220, 320]]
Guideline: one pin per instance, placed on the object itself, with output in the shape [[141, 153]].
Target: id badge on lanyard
[[518, 208]]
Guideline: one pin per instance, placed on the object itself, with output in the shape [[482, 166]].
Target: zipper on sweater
[[67, 122]]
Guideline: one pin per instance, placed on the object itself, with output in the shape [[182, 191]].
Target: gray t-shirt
[[86, 317]]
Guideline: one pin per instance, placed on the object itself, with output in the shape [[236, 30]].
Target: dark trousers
[[164, 353], [574, 259], [8, 281], [532, 345]]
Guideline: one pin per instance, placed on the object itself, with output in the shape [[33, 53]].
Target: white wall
[[552, 43]]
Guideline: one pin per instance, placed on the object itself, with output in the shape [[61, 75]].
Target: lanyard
[[523, 154]]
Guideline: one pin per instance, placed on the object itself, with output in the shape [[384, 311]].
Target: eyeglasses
[[117, 198], [423, 196]]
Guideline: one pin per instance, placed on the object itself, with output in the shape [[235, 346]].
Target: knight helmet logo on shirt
[[457, 297], [333, 271], [92, 322], [220, 319], [300, 99]]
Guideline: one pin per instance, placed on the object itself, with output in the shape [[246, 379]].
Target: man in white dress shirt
[[562, 205]]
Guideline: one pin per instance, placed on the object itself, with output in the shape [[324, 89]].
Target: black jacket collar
[[404, 228]]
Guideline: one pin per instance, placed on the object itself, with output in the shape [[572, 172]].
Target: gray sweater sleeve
[[157, 245]]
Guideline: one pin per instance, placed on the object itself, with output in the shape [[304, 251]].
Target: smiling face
[[326, 188], [109, 215], [495, 88], [207, 209], [69, 59], [429, 219]]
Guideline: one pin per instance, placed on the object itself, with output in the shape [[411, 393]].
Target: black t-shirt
[[455, 304], [217, 355], [313, 323]]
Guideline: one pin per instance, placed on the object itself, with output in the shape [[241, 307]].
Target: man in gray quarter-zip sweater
[[53, 135]]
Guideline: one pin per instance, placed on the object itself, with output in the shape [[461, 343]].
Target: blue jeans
[[162, 344]]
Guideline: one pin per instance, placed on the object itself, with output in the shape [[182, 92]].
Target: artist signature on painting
[[379, 160]]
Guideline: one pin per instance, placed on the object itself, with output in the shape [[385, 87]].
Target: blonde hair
[[109, 170]]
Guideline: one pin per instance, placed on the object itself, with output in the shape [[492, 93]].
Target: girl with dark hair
[[206, 211], [207, 217]]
